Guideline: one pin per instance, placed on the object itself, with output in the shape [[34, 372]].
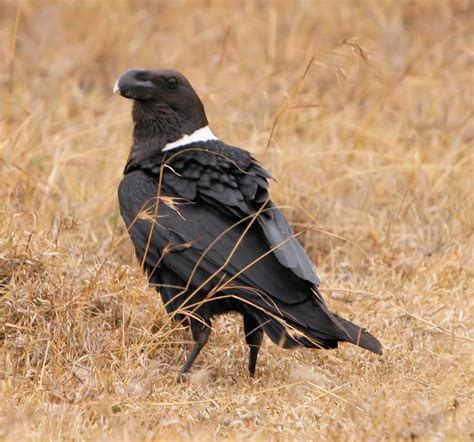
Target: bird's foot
[[182, 378]]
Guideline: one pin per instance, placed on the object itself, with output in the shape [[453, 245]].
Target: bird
[[208, 235]]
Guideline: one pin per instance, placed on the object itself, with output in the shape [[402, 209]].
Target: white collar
[[199, 135]]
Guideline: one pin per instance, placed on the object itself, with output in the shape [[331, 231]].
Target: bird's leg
[[201, 332], [253, 337]]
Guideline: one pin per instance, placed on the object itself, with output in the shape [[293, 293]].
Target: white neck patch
[[203, 134]]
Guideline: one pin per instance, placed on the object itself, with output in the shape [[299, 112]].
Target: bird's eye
[[172, 83]]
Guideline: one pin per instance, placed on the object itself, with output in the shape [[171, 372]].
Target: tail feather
[[288, 337], [312, 338], [360, 337], [281, 335]]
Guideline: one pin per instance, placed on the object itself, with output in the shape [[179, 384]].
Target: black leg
[[253, 337], [201, 332]]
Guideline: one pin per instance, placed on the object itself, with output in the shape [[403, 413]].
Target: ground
[[362, 111]]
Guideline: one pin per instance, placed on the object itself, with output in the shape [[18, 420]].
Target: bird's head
[[163, 95]]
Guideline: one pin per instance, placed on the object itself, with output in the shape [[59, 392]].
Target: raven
[[207, 233]]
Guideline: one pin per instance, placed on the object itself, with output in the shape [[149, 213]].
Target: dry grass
[[380, 172]]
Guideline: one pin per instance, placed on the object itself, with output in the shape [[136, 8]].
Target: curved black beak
[[135, 84]]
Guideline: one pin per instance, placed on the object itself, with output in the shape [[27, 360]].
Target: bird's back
[[213, 246]]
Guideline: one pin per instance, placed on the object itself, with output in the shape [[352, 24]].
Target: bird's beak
[[135, 84]]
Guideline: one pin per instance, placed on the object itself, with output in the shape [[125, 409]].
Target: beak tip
[[116, 88]]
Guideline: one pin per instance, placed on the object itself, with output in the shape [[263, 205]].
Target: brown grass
[[379, 172]]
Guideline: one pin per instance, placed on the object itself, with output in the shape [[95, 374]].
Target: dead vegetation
[[361, 110]]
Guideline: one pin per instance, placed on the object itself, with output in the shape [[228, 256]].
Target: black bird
[[207, 233]]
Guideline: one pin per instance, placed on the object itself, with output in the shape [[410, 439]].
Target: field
[[362, 111]]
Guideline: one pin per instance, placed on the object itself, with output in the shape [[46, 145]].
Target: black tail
[[360, 337], [343, 331]]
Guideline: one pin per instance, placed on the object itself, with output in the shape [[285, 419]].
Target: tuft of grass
[[363, 113]]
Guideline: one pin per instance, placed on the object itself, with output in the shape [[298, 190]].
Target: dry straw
[[363, 113]]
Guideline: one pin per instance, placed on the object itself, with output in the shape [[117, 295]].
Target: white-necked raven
[[206, 232]]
